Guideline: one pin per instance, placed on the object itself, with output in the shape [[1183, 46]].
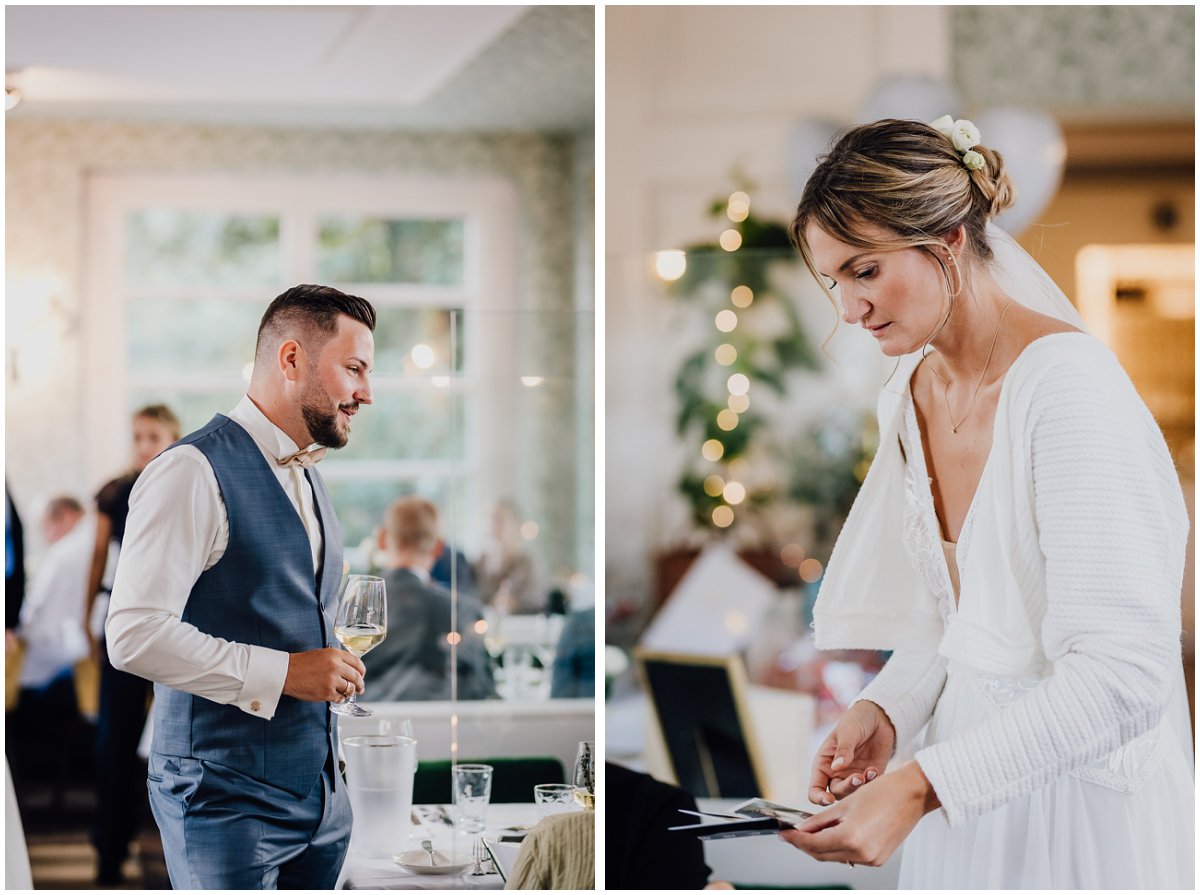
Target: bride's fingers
[[817, 786], [822, 820], [819, 796], [841, 788]]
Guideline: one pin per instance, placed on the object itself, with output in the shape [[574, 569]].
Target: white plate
[[417, 861]]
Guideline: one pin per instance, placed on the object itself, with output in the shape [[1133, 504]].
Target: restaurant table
[[362, 872]]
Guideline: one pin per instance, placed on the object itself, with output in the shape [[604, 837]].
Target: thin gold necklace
[[970, 404]]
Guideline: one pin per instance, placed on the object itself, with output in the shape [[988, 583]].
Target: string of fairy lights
[[671, 265], [726, 482]]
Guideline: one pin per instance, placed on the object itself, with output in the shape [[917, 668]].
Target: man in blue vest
[[225, 597]]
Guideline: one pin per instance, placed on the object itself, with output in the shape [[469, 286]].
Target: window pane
[[354, 249], [398, 331], [360, 506], [168, 248], [193, 408], [210, 336], [419, 425]]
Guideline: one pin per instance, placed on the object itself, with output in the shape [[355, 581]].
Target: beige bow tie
[[304, 459]]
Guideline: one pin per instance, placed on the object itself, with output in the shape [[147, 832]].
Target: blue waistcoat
[[262, 591]]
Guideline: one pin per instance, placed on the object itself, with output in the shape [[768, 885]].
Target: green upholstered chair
[[513, 779]]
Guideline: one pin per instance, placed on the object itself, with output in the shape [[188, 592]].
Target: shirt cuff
[[266, 671]]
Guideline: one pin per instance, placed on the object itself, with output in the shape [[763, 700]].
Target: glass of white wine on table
[[360, 627], [585, 775]]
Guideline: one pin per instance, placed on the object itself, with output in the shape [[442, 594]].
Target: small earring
[[953, 265]]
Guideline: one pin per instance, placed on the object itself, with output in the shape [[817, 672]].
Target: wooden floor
[[57, 816], [68, 861]]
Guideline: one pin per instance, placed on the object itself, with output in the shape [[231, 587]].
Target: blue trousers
[[224, 830]]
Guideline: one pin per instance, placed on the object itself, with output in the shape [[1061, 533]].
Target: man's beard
[[323, 424]]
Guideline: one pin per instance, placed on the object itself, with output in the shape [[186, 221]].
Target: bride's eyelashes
[[866, 273]]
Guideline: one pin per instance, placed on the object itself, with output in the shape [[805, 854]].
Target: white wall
[[690, 92]]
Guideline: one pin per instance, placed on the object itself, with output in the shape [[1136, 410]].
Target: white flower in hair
[[945, 124], [965, 135], [973, 160]]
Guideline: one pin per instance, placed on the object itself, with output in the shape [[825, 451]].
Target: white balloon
[[910, 96], [1034, 153], [810, 138]]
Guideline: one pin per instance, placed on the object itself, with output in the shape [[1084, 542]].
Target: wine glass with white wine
[[360, 627], [585, 775]]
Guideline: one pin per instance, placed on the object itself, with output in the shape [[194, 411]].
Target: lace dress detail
[[922, 533]]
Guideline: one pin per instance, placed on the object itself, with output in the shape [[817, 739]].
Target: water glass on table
[[379, 781], [472, 792], [554, 798]]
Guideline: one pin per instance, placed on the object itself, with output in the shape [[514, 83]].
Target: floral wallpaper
[[48, 162], [1064, 57]]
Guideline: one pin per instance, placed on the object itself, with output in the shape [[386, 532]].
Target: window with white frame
[[181, 268]]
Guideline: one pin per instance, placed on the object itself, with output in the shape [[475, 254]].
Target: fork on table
[[480, 856]]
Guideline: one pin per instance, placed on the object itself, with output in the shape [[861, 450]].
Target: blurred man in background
[[422, 646], [51, 626]]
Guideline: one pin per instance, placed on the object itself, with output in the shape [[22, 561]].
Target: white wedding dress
[[1084, 830]]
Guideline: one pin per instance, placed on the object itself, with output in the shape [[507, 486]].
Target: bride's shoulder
[[1059, 362], [1030, 326]]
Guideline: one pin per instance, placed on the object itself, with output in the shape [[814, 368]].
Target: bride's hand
[[854, 753], [869, 825]]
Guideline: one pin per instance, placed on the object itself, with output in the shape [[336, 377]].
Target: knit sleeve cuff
[[950, 781]]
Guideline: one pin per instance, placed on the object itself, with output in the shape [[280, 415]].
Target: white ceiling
[[424, 67]]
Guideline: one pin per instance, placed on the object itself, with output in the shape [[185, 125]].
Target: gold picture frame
[[701, 707]]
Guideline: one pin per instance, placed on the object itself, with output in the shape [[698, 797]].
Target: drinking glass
[[472, 792], [360, 627], [379, 781], [585, 774], [554, 798]]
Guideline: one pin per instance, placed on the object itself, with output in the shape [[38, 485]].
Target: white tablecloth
[[361, 872]]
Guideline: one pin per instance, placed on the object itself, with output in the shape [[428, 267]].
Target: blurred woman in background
[[124, 698]]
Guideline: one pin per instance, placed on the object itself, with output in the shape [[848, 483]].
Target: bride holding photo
[[1018, 544]]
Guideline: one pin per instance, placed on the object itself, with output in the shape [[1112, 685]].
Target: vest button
[[255, 706]]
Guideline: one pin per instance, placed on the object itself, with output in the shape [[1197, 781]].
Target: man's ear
[[381, 538], [291, 359]]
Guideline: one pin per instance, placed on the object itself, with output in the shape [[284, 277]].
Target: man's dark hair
[[313, 310]]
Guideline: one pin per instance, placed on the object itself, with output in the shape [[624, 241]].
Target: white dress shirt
[[177, 529], [52, 615]]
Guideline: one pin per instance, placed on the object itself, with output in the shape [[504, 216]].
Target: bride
[[1018, 544]]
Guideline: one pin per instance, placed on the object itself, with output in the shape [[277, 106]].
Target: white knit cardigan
[[1071, 568]]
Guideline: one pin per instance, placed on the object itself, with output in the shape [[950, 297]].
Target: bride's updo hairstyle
[[907, 178]]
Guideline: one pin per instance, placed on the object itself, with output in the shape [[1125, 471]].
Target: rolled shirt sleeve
[[177, 528]]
